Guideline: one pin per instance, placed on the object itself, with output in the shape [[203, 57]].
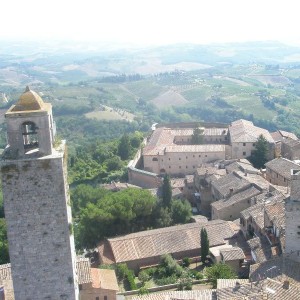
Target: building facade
[[37, 205]]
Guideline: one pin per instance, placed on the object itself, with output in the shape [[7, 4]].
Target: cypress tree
[[204, 244], [166, 191]]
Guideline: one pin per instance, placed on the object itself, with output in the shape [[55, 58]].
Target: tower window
[[30, 135]]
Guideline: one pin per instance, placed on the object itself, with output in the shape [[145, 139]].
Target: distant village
[[251, 215]]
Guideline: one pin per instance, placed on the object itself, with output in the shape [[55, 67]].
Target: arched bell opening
[[30, 136]]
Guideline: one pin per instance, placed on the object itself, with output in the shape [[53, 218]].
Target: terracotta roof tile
[[228, 182], [156, 242], [184, 295], [265, 289], [233, 253], [242, 131], [282, 166], [236, 198], [225, 283], [261, 248], [5, 271], [104, 279], [83, 270]]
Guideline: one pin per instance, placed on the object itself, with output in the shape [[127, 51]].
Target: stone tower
[[37, 206], [292, 214]]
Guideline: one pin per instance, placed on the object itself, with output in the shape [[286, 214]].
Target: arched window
[[162, 171], [30, 135]]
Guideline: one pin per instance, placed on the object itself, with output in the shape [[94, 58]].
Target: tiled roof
[[207, 170], [177, 182], [104, 279], [83, 270], [163, 138], [228, 182], [225, 283], [156, 242], [236, 198], [255, 179], [275, 268], [287, 134], [242, 131], [208, 294], [189, 178], [282, 166], [241, 166], [276, 213], [6, 281], [261, 248], [199, 219], [233, 253], [5, 272], [252, 211], [265, 289], [215, 131], [291, 143]]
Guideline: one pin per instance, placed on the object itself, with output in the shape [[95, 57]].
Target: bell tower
[[37, 205]]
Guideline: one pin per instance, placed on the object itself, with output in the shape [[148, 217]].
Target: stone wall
[[292, 214], [39, 226]]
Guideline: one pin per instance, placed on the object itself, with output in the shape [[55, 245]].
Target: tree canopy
[[259, 156], [4, 256], [219, 271], [116, 213], [197, 137], [99, 213], [166, 191]]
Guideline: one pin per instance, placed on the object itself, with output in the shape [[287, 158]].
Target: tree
[[197, 137], [219, 271], [259, 156], [204, 244], [124, 147], [166, 191], [4, 256], [163, 217], [115, 213], [181, 211]]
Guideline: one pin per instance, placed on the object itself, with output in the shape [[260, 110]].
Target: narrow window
[[244, 144], [244, 153]]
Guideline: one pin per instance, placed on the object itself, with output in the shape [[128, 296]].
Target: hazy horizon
[[145, 23]]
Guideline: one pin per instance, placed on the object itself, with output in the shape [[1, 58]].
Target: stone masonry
[[39, 225], [292, 211], [37, 204]]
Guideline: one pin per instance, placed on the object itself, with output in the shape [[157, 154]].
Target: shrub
[[144, 277], [143, 291], [129, 283], [150, 271], [169, 266], [186, 261], [195, 274], [127, 276], [166, 280], [121, 270]]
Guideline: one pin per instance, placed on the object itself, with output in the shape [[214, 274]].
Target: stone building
[[278, 171], [95, 283], [37, 205], [243, 137], [144, 248], [290, 149]]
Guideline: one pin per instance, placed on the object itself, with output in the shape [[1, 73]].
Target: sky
[[145, 22]]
